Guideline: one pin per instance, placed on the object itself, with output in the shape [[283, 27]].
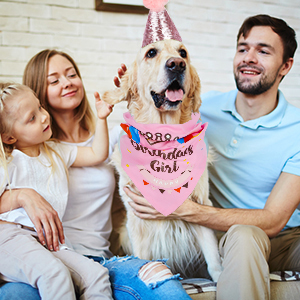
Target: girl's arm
[[90, 156], [44, 218]]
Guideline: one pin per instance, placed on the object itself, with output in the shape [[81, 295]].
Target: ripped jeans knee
[[135, 279], [155, 273]]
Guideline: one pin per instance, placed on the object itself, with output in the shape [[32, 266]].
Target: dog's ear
[[126, 90], [195, 89]]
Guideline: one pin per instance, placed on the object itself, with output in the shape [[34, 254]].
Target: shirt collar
[[270, 120]]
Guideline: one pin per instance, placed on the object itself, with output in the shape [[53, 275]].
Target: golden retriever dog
[[161, 67]]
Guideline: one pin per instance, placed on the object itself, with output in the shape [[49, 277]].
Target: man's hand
[[43, 216], [121, 72]]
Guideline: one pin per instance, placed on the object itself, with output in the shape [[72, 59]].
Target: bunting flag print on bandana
[[165, 162]]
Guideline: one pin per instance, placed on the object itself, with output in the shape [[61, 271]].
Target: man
[[255, 179]]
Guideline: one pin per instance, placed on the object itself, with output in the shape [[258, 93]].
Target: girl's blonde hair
[[5, 127], [35, 76], [9, 91]]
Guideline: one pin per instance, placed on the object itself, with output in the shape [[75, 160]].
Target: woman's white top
[[87, 220]]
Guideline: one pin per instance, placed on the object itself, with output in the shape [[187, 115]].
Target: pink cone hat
[[159, 25]]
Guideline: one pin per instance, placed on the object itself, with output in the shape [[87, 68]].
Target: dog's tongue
[[174, 95]]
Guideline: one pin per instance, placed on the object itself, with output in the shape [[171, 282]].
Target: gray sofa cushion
[[279, 291], [284, 286]]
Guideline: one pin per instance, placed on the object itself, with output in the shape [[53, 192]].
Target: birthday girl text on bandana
[[165, 162]]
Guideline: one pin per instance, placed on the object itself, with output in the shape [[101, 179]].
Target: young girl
[[29, 160]]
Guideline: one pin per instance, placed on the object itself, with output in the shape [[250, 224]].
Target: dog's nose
[[176, 64]]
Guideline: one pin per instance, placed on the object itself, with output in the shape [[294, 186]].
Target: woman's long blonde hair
[[35, 76]]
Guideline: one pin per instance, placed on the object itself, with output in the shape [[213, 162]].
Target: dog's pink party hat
[[159, 24]]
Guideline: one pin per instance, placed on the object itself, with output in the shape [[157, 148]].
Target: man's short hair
[[279, 26]]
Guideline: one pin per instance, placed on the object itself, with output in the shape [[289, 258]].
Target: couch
[[279, 291]]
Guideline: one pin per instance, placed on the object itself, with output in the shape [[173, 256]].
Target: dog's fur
[[158, 67]]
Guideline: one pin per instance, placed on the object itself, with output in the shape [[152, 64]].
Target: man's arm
[[40, 212], [282, 202]]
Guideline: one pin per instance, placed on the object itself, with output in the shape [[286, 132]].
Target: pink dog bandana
[[165, 162]]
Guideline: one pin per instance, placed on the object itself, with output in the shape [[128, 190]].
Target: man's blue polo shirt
[[251, 155]]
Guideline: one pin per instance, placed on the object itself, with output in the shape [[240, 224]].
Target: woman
[[55, 78]]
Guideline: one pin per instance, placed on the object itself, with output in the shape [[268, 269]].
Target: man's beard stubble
[[258, 88]]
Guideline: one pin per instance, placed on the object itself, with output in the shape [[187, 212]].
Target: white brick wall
[[100, 41]]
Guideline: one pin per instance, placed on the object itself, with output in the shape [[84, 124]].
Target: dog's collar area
[[155, 134], [164, 161]]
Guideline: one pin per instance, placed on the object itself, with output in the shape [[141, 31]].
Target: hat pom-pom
[[155, 5]]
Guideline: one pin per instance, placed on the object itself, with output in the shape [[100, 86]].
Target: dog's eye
[[151, 53], [182, 53]]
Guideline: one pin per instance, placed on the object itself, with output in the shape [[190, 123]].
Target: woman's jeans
[[124, 278]]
